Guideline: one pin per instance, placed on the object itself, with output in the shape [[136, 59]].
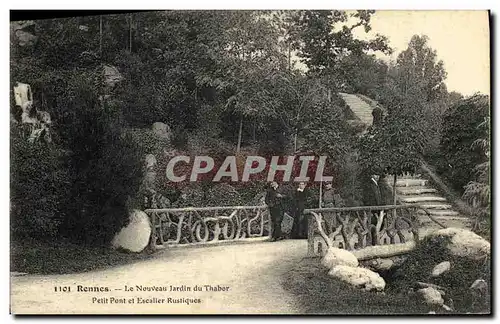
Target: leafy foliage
[[460, 131]]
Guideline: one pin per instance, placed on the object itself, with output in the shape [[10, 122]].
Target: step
[[441, 213], [421, 199], [436, 206], [409, 182], [415, 190]]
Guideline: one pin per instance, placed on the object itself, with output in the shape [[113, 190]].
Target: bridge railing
[[355, 228], [202, 225]]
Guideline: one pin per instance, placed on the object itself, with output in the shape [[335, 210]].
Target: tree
[[419, 75], [460, 131], [397, 145], [327, 37]]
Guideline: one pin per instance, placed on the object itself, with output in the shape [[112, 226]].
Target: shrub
[[460, 130], [40, 181]]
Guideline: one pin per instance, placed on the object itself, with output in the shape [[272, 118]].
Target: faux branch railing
[[174, 226], [358, 227]]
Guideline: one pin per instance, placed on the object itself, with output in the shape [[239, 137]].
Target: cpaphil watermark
[[291, 168]]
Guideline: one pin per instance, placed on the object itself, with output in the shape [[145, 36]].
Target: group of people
[[276, 200]]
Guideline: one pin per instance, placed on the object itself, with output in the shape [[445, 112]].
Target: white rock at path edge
[[135, 236], [335, 256], [358, 277]]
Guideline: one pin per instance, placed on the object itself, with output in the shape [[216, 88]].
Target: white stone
[[335, 256], [150, 161], [135, 236], [431, 296], [464, 243], [112, 75], [358, 277], [161, 130], [441, 268], [479, 286]]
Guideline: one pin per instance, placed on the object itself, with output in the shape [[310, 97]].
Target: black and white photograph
[[250, 162]]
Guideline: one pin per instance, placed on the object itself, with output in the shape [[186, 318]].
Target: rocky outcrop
[[135, 236], [22, 33]]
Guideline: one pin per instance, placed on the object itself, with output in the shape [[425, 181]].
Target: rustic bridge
[[351, 228]]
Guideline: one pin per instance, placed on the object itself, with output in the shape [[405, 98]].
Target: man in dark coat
[[274, 200], [299, 229]]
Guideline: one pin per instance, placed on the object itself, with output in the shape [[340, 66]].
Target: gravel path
[[251, 273]]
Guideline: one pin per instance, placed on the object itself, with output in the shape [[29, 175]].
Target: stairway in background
[[413, 189], [360, 108]]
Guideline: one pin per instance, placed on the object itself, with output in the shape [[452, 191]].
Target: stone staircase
[[413, 189], [360, 108]]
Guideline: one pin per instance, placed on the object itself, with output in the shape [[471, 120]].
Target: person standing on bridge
[[274, 200], [299, 229]]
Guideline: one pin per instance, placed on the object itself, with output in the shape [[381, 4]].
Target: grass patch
[[64, 258], [320, 294]]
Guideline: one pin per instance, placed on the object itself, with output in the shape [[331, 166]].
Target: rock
[[335, 256], [479, 287], [135, 236], [83, 28], [150, 161], [381, 264], [441, 268], [161, 130], [431, 312], [447, 308], [431, 296], [358, 277], [461, 243], [111, 75]]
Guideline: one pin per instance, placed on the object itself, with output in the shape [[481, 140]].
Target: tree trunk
[[295, 142], [100, 36], [384, 251], [320, 192], [289, 58], [394, 196], [130, 34], [329, 95], [238, 147]]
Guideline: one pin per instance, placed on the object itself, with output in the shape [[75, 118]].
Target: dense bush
[[460, 130], [40, 181], [108, 170]]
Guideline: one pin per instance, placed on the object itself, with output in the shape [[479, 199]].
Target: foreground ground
[[262, 278]]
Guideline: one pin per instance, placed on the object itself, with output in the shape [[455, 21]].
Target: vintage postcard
[[250, 162]]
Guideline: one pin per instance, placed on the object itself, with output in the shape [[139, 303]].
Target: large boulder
[[335, 256], [460, 242], [135, 236], [358, 277]]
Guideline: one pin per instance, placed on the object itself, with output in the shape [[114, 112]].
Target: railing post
[[310, 237]]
